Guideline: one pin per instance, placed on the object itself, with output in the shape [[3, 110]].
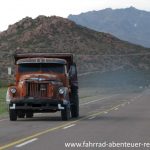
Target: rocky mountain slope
[[93, 50], [128, 24]]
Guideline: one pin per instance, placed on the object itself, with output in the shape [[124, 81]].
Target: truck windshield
[[41, 67]]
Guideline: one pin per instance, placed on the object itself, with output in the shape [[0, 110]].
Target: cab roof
[[65, 56], [41, 60]]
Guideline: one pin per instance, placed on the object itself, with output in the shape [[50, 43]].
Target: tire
[[75, 111], [12, 115], [74, 103], [65, 113], [21, 114], [29, 114]]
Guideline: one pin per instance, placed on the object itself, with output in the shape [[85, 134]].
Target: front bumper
[[38, 104]]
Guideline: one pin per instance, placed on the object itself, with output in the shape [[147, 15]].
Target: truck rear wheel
[[65, 113], [21, 114], [29, 114], [75, 110], [12, 115], [75, 103]]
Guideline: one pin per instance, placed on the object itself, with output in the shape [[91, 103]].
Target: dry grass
[[3, 106]]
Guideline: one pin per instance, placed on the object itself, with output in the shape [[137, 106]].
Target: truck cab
[[44, 82]]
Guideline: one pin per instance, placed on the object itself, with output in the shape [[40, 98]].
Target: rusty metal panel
[[35, 89]]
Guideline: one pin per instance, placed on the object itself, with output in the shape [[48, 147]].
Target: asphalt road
[[108, 120]]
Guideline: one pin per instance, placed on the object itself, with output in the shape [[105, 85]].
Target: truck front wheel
[[65, 113], [12, 115]]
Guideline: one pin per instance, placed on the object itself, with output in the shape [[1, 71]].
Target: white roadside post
[[9, 70], [9, 74]]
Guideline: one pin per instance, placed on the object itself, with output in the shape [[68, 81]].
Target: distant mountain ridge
[[129, 24], [93, 51]]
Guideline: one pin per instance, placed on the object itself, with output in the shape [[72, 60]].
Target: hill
[[129, 24], [93, 50]]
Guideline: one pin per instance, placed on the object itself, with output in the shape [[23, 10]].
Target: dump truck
[[44, 82]]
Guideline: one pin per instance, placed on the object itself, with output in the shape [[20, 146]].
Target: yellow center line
[[53, 129]]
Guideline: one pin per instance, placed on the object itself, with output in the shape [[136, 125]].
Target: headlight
[[13, 90], [61, 90]]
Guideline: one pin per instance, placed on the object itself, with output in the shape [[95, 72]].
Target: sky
[[12, 11]]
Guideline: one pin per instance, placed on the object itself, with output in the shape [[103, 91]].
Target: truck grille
[[36, 89]]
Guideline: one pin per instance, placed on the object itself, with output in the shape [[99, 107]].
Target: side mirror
[[72, 71]]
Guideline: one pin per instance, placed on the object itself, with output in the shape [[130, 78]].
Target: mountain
[[129, 24], [93, 50]]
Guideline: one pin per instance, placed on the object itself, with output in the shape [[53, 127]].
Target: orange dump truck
[[44, 82]]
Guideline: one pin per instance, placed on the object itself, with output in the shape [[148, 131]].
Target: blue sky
[[12, 11]]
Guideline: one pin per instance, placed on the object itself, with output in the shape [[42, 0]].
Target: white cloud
[[14, 10]]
